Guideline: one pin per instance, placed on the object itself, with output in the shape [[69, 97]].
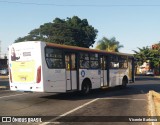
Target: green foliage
[[72, 31], [146, 54], [111, 45]]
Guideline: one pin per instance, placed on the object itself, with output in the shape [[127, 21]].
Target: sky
[[134, 23]]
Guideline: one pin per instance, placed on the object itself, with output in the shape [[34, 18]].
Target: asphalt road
[[96, 108]]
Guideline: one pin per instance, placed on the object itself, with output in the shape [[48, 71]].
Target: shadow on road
[[142, 86]]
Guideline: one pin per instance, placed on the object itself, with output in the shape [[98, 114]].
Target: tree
[[72, 31], [146, 54], [142, 55], [111, 45]]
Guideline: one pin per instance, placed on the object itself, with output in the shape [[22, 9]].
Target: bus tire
[[124, 82], [86, 87]]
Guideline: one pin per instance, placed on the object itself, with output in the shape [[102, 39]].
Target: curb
[[4, 77], [156, 76], [152, 106], [4, 87]]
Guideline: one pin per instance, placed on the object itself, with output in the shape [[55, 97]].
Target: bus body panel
[[93, 75], [115, 79], [74, 80], [116, 76], [71, 80], [103, 78], [28, 70], [24, 62], [54, 80], [59, 80]]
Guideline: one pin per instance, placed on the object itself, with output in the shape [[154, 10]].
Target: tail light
[[38, 75], [10, 75]]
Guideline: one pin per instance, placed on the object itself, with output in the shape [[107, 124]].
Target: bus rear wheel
[[86, 87]]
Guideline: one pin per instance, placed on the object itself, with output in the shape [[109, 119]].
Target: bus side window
[[84, 64], [123, 62], [49, 62], [94, 61], [114, 62], [54, 58], [84, 60]]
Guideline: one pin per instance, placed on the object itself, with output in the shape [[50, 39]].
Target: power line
[[82, 5]]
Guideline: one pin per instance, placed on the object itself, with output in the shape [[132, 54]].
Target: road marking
[[123, 99], [69, 112], [53, 121], [12, 95]]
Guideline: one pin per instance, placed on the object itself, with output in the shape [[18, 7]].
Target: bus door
[[131, 69], [71, 72], [103, 71]]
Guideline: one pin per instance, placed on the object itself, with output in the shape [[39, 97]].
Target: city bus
[[38, 66]]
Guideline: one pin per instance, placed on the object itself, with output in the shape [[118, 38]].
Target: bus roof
[[85, 49], [79, 48]]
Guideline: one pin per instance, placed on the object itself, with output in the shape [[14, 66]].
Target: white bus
[[46, 67]]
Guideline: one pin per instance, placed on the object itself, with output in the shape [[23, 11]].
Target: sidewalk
[[154, 105], [3, 79], [157, 76]]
